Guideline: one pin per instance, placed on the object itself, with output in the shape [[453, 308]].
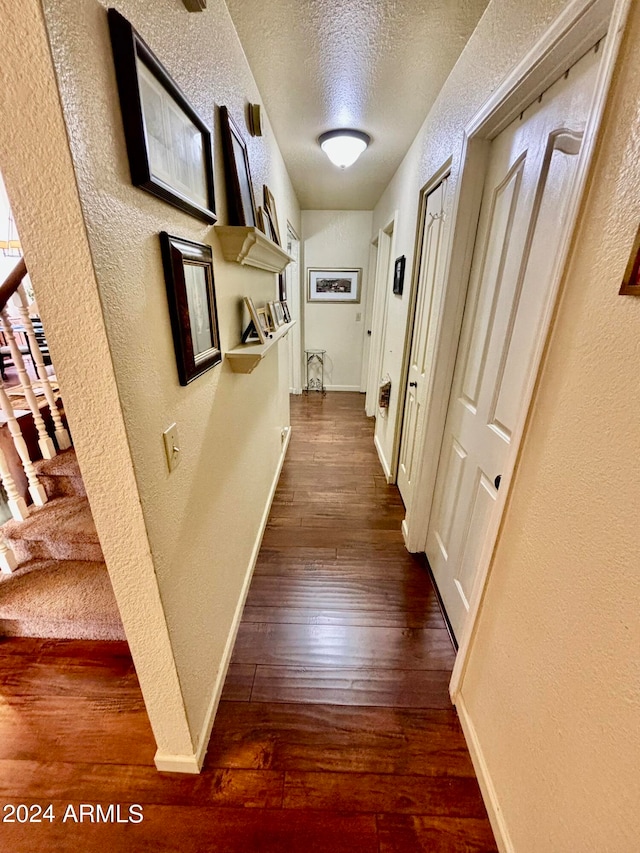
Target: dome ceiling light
[[343, 147]]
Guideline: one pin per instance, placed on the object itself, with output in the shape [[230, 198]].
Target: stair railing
[[11, 327]]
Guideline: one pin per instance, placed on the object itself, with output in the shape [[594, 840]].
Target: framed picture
[[334, 285], [188, 272], [398, 275], [273, 315], [265, 323], [168, 144], [631, 281], [282, 287], [255, 330], [285, 311], [261, 223], [270, 208], [242, 206]]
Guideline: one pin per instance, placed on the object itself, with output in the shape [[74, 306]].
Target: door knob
[[497, 480], [413, 385]]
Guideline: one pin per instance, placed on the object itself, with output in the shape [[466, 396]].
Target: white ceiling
[[374, 65]]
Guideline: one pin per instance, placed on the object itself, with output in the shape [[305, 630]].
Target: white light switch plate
[[172, 446]]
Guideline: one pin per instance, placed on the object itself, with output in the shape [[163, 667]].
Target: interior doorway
[[531, 170], [294, 299], [427, 291]]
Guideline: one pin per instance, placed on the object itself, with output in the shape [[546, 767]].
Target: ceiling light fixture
[[343, 147]]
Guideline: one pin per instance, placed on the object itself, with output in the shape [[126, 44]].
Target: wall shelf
[[249, 246], [246, 357]]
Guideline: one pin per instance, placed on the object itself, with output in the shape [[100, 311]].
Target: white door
[[429, 286], [531, 167]]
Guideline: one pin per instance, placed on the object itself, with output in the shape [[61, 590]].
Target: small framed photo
[[265, 322], [285, 311], [272, 315], [398, 275], [255, 331], [631, 281], [334, 285], [168, 144], [270, 209], [242, 206], [188, 272]]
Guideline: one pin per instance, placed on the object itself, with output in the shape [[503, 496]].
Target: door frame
[[416, 274], [294, 285], [580, 25], [384, 271]]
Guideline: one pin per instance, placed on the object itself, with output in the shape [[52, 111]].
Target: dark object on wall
[[254, 120], [398, 275], [168, 144], [188, 272], [195, 5], [240, 201], [384, 395], [631, 281]]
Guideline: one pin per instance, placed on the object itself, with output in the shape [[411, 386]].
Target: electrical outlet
[[172, 447]]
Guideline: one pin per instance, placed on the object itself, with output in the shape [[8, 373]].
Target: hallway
[[335, 732]]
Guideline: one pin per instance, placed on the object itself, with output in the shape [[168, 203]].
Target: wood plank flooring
[[335, 732]]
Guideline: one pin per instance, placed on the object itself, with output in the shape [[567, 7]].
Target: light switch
[[358, 318], [172, 446]]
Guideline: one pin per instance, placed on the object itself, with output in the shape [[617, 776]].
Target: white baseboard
[[342, 388], [193, 763], [489, 795], [383, 461]]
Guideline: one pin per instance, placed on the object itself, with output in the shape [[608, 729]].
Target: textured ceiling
[[375, 65]]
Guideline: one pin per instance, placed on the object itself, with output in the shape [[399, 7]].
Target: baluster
[[36, 490], [61, 434], [47, 447], [15, 501], [8, 561]]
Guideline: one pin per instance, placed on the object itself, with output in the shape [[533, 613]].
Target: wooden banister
[[12, 282]]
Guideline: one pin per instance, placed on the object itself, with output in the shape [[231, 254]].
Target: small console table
[[315, 370]]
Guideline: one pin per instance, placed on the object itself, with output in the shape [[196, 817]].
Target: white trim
[[605, 73], [383, 461], [487, 788], [193, 763], [341, 388]]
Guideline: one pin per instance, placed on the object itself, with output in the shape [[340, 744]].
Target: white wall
[[552, 690], [337, 239], [505, 32], [178, 547]]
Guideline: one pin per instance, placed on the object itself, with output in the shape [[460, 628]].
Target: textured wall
[[203, 519], [506, 31], [553, 684], [337, 238], [37, 167]]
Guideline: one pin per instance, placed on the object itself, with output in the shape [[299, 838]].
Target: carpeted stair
[[61, 588]]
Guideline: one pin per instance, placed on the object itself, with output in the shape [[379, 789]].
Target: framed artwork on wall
[[240, 200], [255, 331], [168, 144], [631, 281], [334, 285], [270, 208], [188, 272], [398, 275]]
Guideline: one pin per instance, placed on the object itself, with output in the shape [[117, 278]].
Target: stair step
[[61, 476], [62, 529], [72, 599]]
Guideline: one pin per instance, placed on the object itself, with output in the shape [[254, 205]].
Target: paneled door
[[531, 167], [429, 288]]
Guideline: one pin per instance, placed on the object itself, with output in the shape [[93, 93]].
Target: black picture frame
[[168, 144], [240, 196], [398, 275], [188, 272]]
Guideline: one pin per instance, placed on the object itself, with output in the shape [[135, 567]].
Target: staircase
[[61, 587]]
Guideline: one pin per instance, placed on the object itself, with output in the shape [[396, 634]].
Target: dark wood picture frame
[[240, 197], [270, 209], [141, 76], [398, 275], [192, 305], [631, 281]]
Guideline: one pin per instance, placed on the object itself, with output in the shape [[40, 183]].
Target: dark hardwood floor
[[335, 732]]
